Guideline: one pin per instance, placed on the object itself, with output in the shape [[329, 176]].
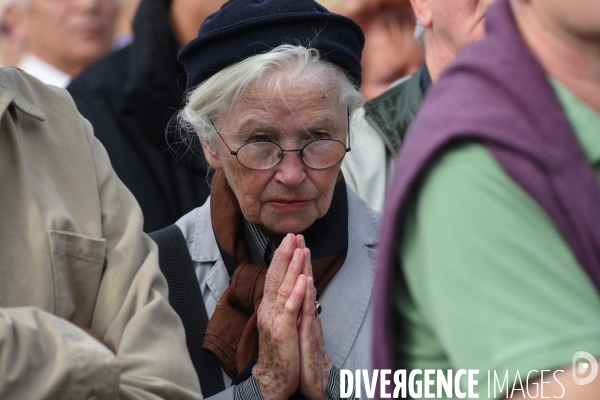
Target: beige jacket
[[72, 254]]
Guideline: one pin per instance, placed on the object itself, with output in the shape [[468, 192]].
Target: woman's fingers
[[307, 319], [279, 266], [307, 264], [289, 281], [278, 367], [300, 240], [295, 301], [315, 364]]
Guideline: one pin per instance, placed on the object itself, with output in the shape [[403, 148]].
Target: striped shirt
[[260, 248]]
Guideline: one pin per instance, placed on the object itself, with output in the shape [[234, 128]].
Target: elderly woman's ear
[[211, 154]]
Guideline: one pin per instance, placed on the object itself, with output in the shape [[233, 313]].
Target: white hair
[[420, 33], [216, 96]]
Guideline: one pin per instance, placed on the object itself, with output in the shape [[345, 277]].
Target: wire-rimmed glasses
[[318, 154]]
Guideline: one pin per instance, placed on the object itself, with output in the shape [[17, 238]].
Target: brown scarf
[[232, 333]]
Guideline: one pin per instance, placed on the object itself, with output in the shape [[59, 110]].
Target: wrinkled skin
[[289, 197], [315, 364], [292, 352]]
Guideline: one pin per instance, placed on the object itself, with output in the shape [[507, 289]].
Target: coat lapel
[[346, 299]]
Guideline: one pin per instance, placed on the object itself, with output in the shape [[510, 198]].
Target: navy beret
[[244, 28]]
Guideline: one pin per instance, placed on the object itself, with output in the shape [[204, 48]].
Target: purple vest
[[495, 93]]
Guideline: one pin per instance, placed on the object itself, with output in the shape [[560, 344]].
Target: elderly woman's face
[[290, 196]]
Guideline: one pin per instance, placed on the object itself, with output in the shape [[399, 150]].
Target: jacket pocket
[[77, 264]]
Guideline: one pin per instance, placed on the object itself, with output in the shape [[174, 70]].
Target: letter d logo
[[580, 368]]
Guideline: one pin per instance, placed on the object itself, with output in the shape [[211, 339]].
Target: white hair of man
[[216, 96], [420, 33]]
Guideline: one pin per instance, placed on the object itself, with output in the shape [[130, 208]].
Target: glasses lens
[[322, 154], [259, 155]]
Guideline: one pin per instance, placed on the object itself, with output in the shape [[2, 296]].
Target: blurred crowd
[[56, 40]]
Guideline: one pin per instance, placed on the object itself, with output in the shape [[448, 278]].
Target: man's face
[[459, 22], [69, 34]]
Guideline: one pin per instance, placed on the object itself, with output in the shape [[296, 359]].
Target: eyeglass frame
[[300, 151]]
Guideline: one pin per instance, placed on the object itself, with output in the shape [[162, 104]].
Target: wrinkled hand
[[315, 364], [278, 368]]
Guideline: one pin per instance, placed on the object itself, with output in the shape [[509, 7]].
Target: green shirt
[[488, 281]]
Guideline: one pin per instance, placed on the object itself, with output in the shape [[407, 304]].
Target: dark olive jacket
[[392, 112]]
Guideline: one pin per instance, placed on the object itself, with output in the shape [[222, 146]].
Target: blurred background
[[56, 39], [390, 51]]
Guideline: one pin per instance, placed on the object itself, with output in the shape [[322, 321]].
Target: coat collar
[[347, 298], [14, 90], [205, 247], [394, 110]]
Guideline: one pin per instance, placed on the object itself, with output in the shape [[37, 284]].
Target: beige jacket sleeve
[[132, 314], [46, 357], [72, 254]]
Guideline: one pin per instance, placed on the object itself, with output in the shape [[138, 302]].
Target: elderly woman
[[281, 237]]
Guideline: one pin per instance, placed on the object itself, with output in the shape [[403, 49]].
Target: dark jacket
[[129, 97], [498, 94], [391, 113]]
